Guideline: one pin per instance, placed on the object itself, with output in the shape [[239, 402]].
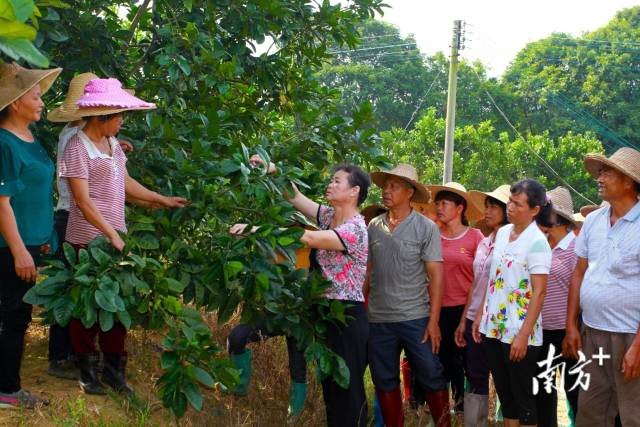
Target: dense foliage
[[218, 102]]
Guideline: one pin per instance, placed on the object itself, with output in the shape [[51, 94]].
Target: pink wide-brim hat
[[106, 96]]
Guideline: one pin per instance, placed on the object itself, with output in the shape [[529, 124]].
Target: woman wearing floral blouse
[[510, 320]]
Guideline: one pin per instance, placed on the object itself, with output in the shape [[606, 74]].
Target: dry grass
[[266, 405]]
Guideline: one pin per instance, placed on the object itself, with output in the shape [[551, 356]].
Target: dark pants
[[476, 365], [348, 407], [15, 316], [60, 347], [243, 334], [83, 339], [452, 356], [513, 380], [547, 403], [386, 342]]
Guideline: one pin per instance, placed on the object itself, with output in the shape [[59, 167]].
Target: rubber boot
[[378, 420], [391, 406], [476, 410], [115, 371], [297, 396], [242, 362], [89, 382], [438, 402], [406, 379]]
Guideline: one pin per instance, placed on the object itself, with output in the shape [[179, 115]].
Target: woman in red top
[[454, 209]]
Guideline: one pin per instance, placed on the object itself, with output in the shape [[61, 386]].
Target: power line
[[531, 149], [339, 52], [424, 97]]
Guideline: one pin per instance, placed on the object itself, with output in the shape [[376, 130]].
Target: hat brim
[[104, 111], [586, 210], [566, 216], [44, 78], [473, 212], [63, 114], [594, 162], [421, 194]]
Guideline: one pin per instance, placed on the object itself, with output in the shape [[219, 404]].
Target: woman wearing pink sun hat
[[95, 167]]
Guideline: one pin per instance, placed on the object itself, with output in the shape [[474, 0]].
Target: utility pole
[[457, 44]]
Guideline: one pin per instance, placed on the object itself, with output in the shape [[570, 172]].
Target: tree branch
[[136, 20]]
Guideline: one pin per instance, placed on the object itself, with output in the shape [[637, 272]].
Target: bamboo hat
[[586, 210], [626, 160], [501, 194], [407, 173], [562, 203], [371, 212], [474, 212], [15, 81], [68, 111]]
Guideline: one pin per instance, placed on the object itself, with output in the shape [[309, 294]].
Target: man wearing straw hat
[[405, 259], [26, 216], [605, 286]]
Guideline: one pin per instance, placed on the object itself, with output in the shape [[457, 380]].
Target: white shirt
[[64, 192], [610, 291], [510, 290]]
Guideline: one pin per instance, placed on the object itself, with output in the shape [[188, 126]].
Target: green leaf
[[62, 310], [232, 268], [125, 318], [148, 242], [69, 253], [17, 30], [188, 4], [203, 377], [140, 262], [184, 65], [83, 256], [105, 300], [106, 320], [193, 395], [100, 256], [23, 49], [22, 9], [168, 360], [286, 241], [175, 285]]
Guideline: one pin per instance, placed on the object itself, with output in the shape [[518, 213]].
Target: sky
[[497, 29]]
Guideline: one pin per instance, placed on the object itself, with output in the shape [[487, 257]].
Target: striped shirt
[[610, 291], [106, 178], [481, 269], [563, 262]]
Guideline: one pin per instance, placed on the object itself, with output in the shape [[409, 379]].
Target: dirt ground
[[266, 405]]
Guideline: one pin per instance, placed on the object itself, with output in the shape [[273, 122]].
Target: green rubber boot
[[242, 362], [297, 396]]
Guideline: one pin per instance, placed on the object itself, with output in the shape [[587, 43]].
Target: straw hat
[[473, 212], [625, 160], [501, 194], [371, 212], [578, 219], [68, 110], [15, 81], [106, 96], [586, 210], [407, 173], [561, 203]]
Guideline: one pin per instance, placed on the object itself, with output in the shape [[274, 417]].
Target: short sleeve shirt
[[64, 193], [610, 290], [345, 269], [106, 178], [26, 176], [563, 263], [510, 290], [481, 269], [398, 279], [458, 254]]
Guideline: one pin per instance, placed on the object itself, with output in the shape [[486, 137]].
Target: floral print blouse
[[509, 291], [345, 269]]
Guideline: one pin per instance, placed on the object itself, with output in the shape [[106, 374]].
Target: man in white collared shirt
[[606, 287]]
